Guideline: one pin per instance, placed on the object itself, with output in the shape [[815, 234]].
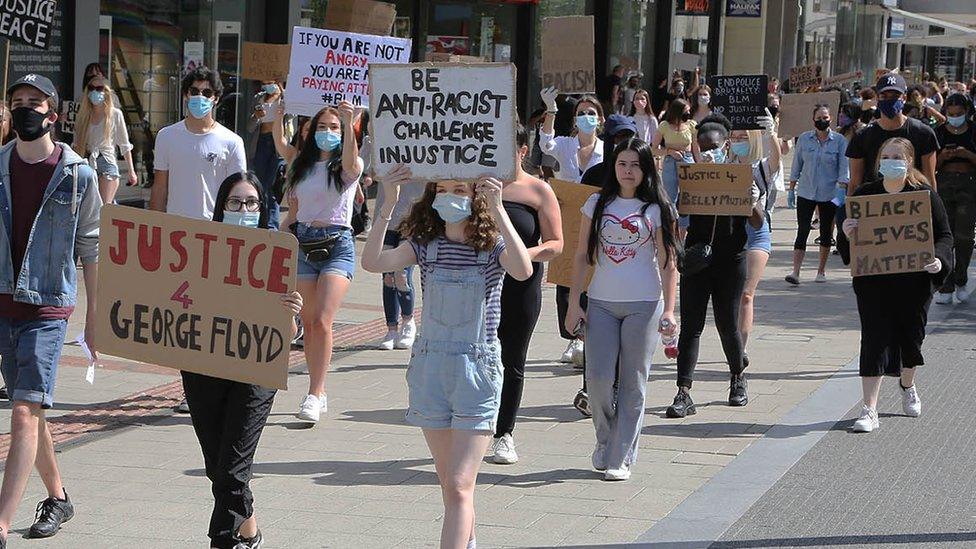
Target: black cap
[[617, 123], [891, 82], [37, 81]]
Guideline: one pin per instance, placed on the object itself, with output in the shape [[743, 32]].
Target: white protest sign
[[444, 120], [328, 66]]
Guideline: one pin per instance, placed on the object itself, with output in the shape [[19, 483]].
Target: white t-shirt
[[197, 165], [564, 149], [319, 200], [626, 264]]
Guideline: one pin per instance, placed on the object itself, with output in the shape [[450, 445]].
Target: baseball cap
[[617, 123], [37, 81], [891, 81]]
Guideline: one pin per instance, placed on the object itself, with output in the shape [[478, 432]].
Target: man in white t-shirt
[[196, 154]]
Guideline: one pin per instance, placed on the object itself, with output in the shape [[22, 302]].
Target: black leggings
[[723, 281], [804, 215], [521, 305]]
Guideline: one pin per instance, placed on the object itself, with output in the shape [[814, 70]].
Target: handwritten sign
[[741, 99], [571, 197], [331, 66], [28, 22], [715, 189], [69, 113], [444, 120], [265, 61], [363, 16], [893, 234], [568, 54], [805, 76], [796, 111], [845, 78], [195, 295]]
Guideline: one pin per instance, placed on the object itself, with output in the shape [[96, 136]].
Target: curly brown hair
[[424, 225]]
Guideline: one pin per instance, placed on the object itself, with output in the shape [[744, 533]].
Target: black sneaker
[[247, 543], [4, 395], [682, 406], [737, 391], [582, 403], [745, 361], [51, 514]]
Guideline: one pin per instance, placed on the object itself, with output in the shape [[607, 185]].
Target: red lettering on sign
[[235, 255], [254, 281], [180, 296], [206, 239], [150, 250], [120, 252], [277, 271], [176, 241]]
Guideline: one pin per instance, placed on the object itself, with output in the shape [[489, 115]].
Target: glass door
[[227, 62]]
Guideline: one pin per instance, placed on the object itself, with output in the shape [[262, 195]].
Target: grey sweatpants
[[624, 332]]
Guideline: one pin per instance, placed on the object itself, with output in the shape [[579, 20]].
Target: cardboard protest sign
[[740, 98], [893, 234], [715, 189], [329, 66], [28, 22], [444, 120], [571, 197], [804, 77], [568, 54], [796, 111], [363, 16], [845, 78], [195, 295], [265, 61], [69, 113]]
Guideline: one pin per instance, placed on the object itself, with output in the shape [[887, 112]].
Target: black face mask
[[867, 116], [773, 111], [686, 116], [821, 125], [28, 123]]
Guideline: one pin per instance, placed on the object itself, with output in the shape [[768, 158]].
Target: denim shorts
[[454, 385], [759, 239], [341, 262], [29, 355], [106, 166]]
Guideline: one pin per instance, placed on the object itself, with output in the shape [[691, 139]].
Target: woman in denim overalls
[[464, 242]]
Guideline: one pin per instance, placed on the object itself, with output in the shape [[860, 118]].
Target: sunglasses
[[206, 92], [235, 204], [96, 88], [589, 112]]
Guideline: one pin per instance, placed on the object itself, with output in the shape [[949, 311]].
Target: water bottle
[[670, 341]]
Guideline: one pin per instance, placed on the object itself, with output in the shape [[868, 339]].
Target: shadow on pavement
[[727, 429], [818, 541]]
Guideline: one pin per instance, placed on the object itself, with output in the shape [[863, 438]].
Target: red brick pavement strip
[[109, 416]]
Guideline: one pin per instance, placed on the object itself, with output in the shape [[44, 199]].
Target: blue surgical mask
[[893, 168], [715, 156], [244, 219], [587, 123], [452, 208], [199, 106], [891, 107], [96, 97], [269, 88], [740, 149], [327, 140], [957, 121]]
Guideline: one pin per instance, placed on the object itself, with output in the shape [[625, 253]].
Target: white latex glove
[[934, 267], [767, 123], [548, 96], [849, 226]]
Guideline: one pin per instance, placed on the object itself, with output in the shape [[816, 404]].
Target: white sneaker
[[505, 450], [311, 408], [599, 458], [867, 422], [389, 340], [943, 298], [567, 357], [821, 277], [910, 403], [324, 399], [962, 295], [183, 407], [578, 354], [408, 332], [623, 473]]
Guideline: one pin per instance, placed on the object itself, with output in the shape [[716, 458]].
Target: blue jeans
[[396, 302], [266, 166], [669, 176], [29, 355], [342, 260]]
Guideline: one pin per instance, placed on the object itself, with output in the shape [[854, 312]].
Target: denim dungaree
[[455, 372]]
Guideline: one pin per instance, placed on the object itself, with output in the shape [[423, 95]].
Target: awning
[[956, 35]]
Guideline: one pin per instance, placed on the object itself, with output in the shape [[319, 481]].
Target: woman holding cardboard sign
[[894, 307], [675, 142], [321, 187]]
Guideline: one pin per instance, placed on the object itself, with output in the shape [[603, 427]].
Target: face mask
[[587, 123], [867, 116], [96, 97], [244, 219], [269, 88], [327, 140], [857, 101], [891, 107], [893, 168], [28, 123], [686, 116], [957, 121], [715, 156], [821, 125], [704, 99], [740, 149], [773, 111], [844, 120], [679, 90], [199, 106], [452, 208]]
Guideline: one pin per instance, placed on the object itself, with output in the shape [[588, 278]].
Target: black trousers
[[562, 308], [723, 281], [958, 193], [521, 305], [804, 216], [894, 311], [843, 245], [228, 417]]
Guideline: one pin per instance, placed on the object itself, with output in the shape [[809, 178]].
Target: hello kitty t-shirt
[[626, 267]]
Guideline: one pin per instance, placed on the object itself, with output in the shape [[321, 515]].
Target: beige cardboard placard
[[715, 189], [796, 111], [568, 54], [265, 61], [843, 78], [893, 234], [571, 197], [362, 16], [804, 76], [195, 295]]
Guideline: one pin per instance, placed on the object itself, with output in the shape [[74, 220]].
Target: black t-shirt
[[612, 80], [867, 143], [595, 175]]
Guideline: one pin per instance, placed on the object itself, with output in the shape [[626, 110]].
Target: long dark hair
[[675, 113], [309, 154], [650, 191], [220, 201]]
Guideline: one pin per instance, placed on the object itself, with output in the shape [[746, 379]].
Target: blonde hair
[[83, 121], [915, 179]]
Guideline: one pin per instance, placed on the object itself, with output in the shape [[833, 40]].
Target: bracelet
[[552, 112]]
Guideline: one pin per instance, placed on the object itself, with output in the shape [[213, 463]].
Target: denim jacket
[[66, 228]]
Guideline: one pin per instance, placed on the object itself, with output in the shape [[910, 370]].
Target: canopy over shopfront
[[947, 34]]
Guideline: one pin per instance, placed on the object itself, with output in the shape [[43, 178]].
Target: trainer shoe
[[737, 391], [250, 543], [582, 403], [183, 407], [311, 408], [943, 298], [408, 332], [910, 403], [962, 295], [682, 405], [389, 341], [579, 356], [867, 422], [505, 450], [599, 458], [575, 347], [4, 394], [623, 473], [793, 279], [300, 333], [51, 514], [821, 277]]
